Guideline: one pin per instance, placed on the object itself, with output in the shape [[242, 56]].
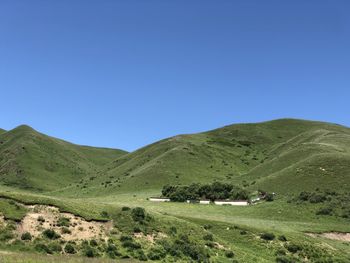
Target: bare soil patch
[[332, 235], [150, 238], [78, 228]]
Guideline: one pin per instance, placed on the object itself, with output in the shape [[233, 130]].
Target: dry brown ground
[[80, 228], [333, 235]]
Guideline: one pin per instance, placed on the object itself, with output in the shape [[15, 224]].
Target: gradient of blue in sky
[[127, 73]]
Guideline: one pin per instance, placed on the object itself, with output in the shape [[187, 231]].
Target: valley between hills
[[65, 202]]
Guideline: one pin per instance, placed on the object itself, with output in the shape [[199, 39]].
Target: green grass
[[33, 161], [283, 156], [12, 210]]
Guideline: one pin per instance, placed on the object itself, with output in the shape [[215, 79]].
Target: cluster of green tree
[[214, 191]]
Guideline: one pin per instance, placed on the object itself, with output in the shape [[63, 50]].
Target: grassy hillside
[[299, 160], [285, 156], [34, 161]]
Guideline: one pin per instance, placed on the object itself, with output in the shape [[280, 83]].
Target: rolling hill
[[33, 161], [109, 189], [285, 156]]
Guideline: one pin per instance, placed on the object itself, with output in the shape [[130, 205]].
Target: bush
[[282, 238], [137, 229], [125, 208], [69, 249], [317, 198], [284, 259], [138, 214], [292, 248], [173, 230], [105, 214], [131, 245], [63, 221], [267, 236], [51, 234], [324, 211], [156, 253], [269, 197], [65, 230], [125, 238], [229, 254], [42, 248], [112, 251], [208, 237], [41, 219], [90, 252], [26, 236], [93, 243], [55, 247], [140, 255]]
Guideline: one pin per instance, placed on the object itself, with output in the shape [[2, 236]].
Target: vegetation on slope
[[283, 156], [33, 161]]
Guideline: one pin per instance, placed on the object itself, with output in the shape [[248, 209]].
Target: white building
[[159, 199], [231, 202], [204, 202]]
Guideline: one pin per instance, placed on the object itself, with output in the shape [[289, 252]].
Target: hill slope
[[31, 160], [284, 156]]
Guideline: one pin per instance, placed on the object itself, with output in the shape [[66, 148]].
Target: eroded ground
[[333, 235], [42, 217]]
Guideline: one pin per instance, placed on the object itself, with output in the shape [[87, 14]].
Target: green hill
[[111, 187], [284, 156], [31, 160]]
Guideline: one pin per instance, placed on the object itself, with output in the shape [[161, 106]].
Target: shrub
[[69, 249], [156, 253], [229, 254], [125, 238], [284, 259], [26, 236], [269, 197], [42, 248], [282, 238], [55, 247], [267, 236], [125, 208], [63, 221], [317, 198], [280, 252], [208, 226], [104, 214], [51, 234], [138, 214], [93, 243], [208, 237], [137, 229], [89, 252], [131, 245], [292, 248], [112, 251], [173, 230], [41, 219], [243, 232], [324, 211], [65, 230], [140, 255]]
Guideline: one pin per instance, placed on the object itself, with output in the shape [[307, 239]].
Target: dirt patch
[[2, 221], [150, 238], [42, 217], [332, 235]]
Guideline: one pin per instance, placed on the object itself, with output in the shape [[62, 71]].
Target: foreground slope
[[31, 160], [284, 156]]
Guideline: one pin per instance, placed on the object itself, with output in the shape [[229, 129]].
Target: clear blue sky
[[127, 73]]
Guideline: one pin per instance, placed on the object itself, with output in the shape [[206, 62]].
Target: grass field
[[288, 157]]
